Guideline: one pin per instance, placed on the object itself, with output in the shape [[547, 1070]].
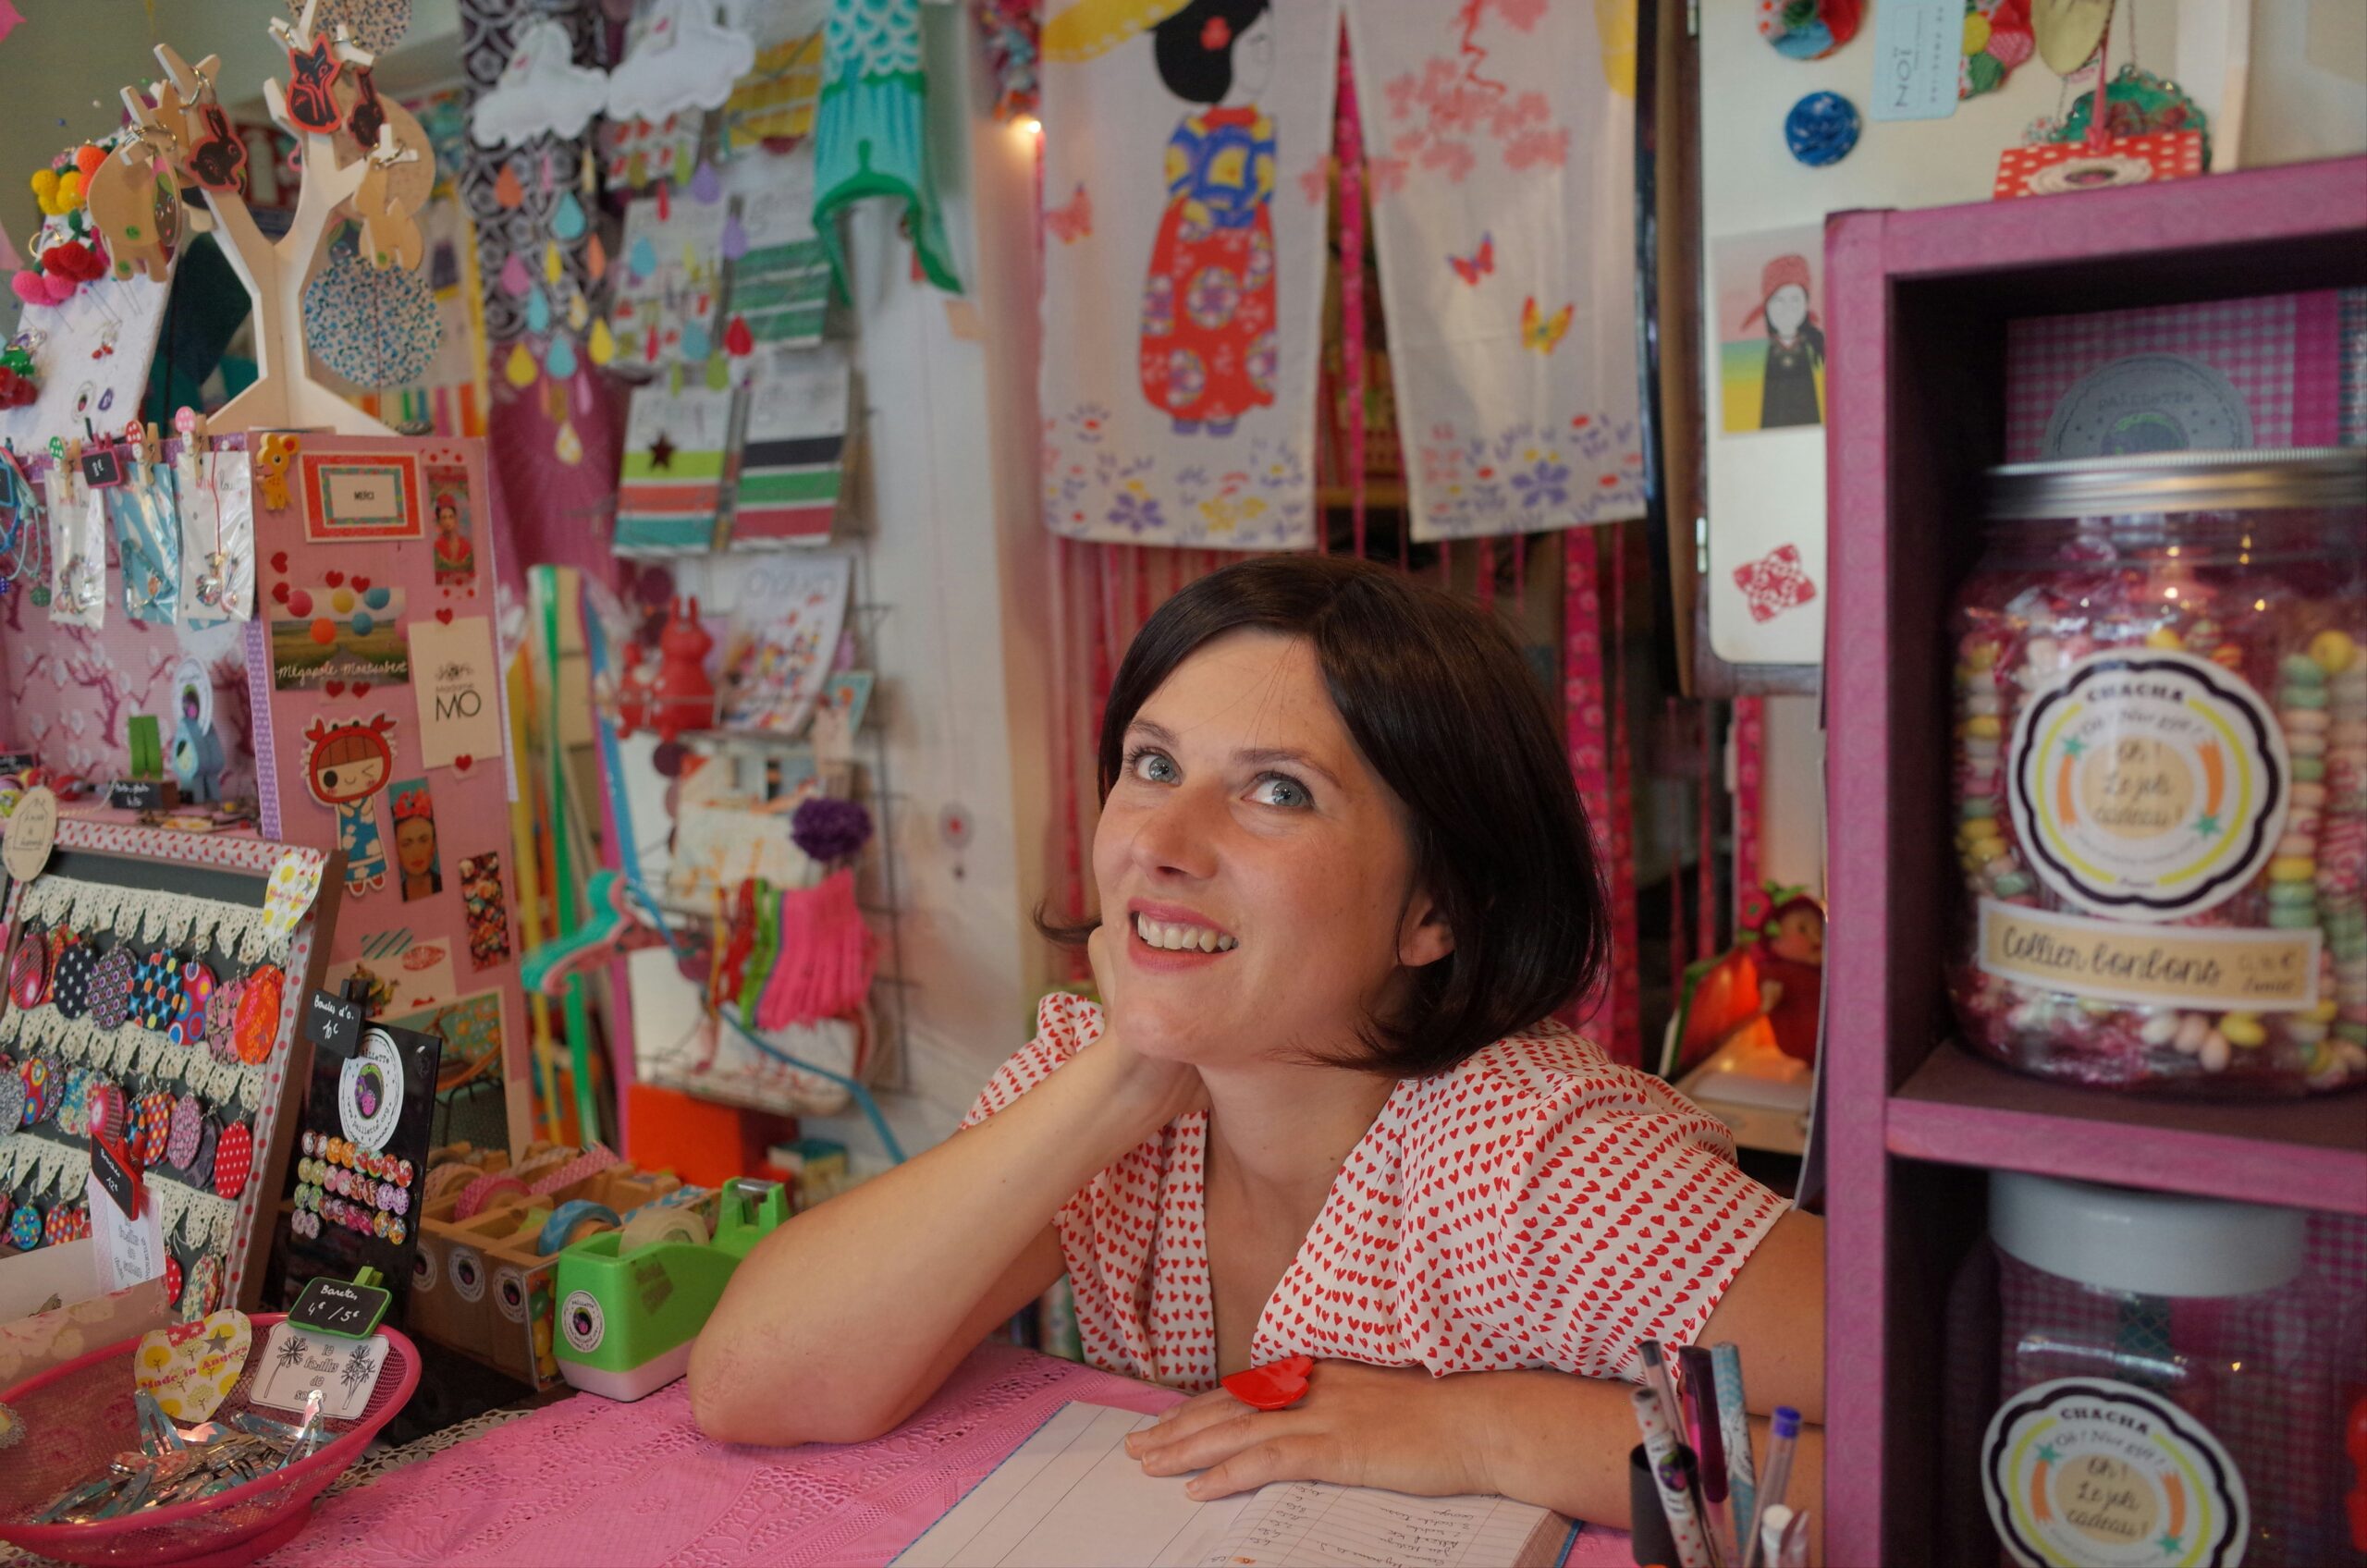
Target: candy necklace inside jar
[[2161, 773]]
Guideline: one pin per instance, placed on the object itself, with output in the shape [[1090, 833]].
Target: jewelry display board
[[155, 980]]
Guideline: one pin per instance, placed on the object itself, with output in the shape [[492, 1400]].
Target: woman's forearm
[[1561, 1442], [833, 1320]]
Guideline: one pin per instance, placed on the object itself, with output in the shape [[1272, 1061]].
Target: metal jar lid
[[2181, 482]]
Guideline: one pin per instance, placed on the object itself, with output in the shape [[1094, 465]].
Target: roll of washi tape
[[573, 1221], [571, 1169], [535, 1167], [658, 1224], [484, 1191], [447, 1180]]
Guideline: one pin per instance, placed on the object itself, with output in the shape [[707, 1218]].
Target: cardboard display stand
[[375, 675]]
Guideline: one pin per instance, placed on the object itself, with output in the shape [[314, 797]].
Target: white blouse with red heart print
[[1537, 1206]]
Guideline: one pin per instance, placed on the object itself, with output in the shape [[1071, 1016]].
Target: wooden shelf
[[1958, 1109], [1378, 493]]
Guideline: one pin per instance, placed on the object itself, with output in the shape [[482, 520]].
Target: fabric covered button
[[234, 1153], [74, 1102], [41, 1090], [29, 969], [173, 1281], [187, 1117], [12, 1100], [25, 1228], [200, 1168], [222, 1019], [152, 980], [111, 988], [69, 987], [258, 1025], [194, 994], [203, 1292]]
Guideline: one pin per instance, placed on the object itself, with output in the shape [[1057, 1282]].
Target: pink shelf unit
[[1919, 302]]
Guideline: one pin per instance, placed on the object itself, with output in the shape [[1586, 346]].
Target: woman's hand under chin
[[1358, 1425], [1169, 1088]]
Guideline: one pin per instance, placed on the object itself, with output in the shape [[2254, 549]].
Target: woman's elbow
[[732, 1404]]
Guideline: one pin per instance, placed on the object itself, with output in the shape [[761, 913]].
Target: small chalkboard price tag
[[111, 1163], [332, 1024], [349, 1309], [101, 467], [142, 794]]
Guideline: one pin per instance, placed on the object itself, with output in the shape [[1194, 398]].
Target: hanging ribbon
[[1348, 145]]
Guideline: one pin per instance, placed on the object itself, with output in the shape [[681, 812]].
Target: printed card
[[459, 685], [400, 973], [349, 497], [296, 1362]]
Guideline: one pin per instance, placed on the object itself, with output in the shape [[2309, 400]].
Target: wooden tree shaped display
[[186, 135]]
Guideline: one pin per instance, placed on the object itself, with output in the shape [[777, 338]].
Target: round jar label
[[2090, 1473], [2148, 785], [369, 1091]]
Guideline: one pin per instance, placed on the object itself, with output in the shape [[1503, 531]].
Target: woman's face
[[1254, 869], [415, 846], [1786, 309], [1253, 59]]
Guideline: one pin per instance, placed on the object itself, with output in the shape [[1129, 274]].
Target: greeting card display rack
[[1919, 302], [208, 895]]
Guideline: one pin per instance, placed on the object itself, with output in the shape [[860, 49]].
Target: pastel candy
[[2302, 669], [2334, 650]]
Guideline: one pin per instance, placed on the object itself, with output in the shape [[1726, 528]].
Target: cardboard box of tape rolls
[[489, 1237]]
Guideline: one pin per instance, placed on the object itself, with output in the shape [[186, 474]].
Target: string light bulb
[[1029, 125]]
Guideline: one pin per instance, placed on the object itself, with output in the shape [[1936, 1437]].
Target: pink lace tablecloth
[[591, 1482]]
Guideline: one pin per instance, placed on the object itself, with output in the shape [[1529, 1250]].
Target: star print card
[[672, 484]]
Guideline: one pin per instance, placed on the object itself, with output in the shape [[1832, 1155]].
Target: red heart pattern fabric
[[1538, 1205]]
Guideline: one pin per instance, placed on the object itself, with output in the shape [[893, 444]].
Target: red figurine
[[684, 697]]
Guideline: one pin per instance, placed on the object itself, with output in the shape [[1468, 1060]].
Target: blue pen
[[1777, 1477], [1734, 1425]]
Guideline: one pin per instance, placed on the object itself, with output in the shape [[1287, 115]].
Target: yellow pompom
[[69, 191]]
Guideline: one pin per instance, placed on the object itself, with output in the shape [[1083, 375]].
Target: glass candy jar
[[2167, 1381], [2161, 773]]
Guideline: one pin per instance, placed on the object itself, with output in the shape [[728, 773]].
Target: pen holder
[[1650, 1538]]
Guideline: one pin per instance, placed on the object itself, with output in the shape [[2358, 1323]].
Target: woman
[[1789, 393], [1322, 1110], [1208, 319]]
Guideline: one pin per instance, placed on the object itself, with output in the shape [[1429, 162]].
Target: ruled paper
[[1069, 1497]]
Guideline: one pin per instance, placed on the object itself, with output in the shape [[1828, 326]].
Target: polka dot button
[[69, 988], [111, 988], [58, 1228], [257, 1026], [28, 970], [152, 1119], [234, 1155], [172, 1280], [181, 1143], [25, 1228], [191, 998], [155, 991], [222, 1020]]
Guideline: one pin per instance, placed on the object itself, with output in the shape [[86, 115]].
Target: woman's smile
[[1169, 937]]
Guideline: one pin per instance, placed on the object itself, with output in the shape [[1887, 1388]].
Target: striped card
[[780, 283], [792, 466], [671, 487]]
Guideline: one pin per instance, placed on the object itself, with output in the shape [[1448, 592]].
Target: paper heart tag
[[192, 1367], [294, 882]]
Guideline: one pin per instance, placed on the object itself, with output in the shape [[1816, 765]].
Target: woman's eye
[[1154, 767], [1280, 789]]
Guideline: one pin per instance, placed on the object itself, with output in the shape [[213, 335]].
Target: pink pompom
[[59, 290], [26, 286]]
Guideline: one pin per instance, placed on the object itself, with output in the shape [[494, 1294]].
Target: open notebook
[[1069, 1497]]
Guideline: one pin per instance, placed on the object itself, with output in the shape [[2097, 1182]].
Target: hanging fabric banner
[[1499, 152], [1187, 156]]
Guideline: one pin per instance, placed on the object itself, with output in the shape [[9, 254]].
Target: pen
[[1656, 1380], [1774, 1478], [1793, 1550], [1668, 1473], [1708, 1450], [1733, 1422], [1771, 1526]]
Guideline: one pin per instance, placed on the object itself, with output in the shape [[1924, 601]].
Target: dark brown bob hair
[[1445, 710]]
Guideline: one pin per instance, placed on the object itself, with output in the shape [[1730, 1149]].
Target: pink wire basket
[[80, 1415]]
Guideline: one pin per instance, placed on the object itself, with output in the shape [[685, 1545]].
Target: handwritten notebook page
[[1069, 1497]]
